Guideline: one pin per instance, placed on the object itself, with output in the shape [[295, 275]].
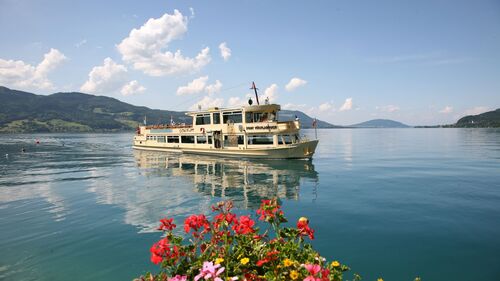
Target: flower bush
[[231, 247]]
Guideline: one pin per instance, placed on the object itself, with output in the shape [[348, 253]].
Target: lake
[[392, 203]]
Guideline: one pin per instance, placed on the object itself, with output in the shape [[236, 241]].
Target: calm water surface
[[395, 203]]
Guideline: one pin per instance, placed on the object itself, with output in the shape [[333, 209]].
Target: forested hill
[[484, 120], [23, 112]]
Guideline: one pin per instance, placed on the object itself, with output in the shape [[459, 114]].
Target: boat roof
[[248, 108]]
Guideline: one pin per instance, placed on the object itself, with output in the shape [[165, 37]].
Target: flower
[[196, 222], [335, 263], [287, 262], [167, 224], [244, 261], [269, 210], [304, 219], [244, 225], [294, 274], [312, 268], [162, 250], [209, 271], [219, 260], [178, 278], [304, 229]]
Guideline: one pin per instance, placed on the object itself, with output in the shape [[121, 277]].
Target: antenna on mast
[[255, 90]]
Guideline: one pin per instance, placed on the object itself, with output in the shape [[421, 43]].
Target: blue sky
[[419, 62]]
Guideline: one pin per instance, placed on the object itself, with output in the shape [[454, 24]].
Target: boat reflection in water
[[246, 182]]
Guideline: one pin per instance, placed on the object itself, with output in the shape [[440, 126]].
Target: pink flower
[[178, 278], [210, 271], [312, 268]]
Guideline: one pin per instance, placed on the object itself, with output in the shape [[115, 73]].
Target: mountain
[[23, 112], [484, 120], [305, 120], [380, 123]]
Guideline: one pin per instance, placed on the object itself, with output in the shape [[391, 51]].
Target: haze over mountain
[[23, 112], [380, 123]]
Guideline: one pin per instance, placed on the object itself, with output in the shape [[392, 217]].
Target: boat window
[[173, 139], [260, 139], [203, 119], [187, 139], [252, 117], [209, 139], [201, 139], [233, 140], [232, 117], [217, 118], [286, 139], [160, 139]]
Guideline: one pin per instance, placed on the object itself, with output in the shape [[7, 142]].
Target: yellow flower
[[244, 261], [294, 274], [336, 263], [304, 219], [380, 279], [219, 260], [287, 262]]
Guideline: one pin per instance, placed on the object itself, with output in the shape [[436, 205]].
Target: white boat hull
[[302, 150]]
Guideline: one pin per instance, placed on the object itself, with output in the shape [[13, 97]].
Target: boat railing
[[169, 126]]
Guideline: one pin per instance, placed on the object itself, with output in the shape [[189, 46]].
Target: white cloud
[[131, 88], [105, 79], [325, 106], [193, 87], [225, 52], [294, 84], [207, 102], [271, 93], [213, 88], [447, 109], [235, 102], [81, 43], [292, 106], [347, 105], [476, 110], [199, 85], [388, 108], [25, 76], [144, 47]]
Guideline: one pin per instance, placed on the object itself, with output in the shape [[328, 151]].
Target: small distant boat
[[251, 131]]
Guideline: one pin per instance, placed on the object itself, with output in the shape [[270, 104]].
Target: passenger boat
[[251, 131]]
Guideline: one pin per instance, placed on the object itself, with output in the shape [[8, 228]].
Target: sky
[[345, 62]]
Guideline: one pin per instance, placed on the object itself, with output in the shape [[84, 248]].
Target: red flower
[[262, 262], [269, 210], [167, 224], [222, 217], [162, 250], [303, 226], [244, 225], [196, 222]]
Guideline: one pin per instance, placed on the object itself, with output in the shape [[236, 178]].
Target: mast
[[255, 90]]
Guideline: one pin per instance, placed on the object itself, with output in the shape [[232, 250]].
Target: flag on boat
[[145, 120], [315, 123]]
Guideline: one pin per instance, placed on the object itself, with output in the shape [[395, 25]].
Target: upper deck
[[247, 119]]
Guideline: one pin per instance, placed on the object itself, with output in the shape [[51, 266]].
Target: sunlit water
[[396, 203]]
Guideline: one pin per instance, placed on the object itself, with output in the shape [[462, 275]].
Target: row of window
[[182, 139], [229, 140], [235, 117]]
